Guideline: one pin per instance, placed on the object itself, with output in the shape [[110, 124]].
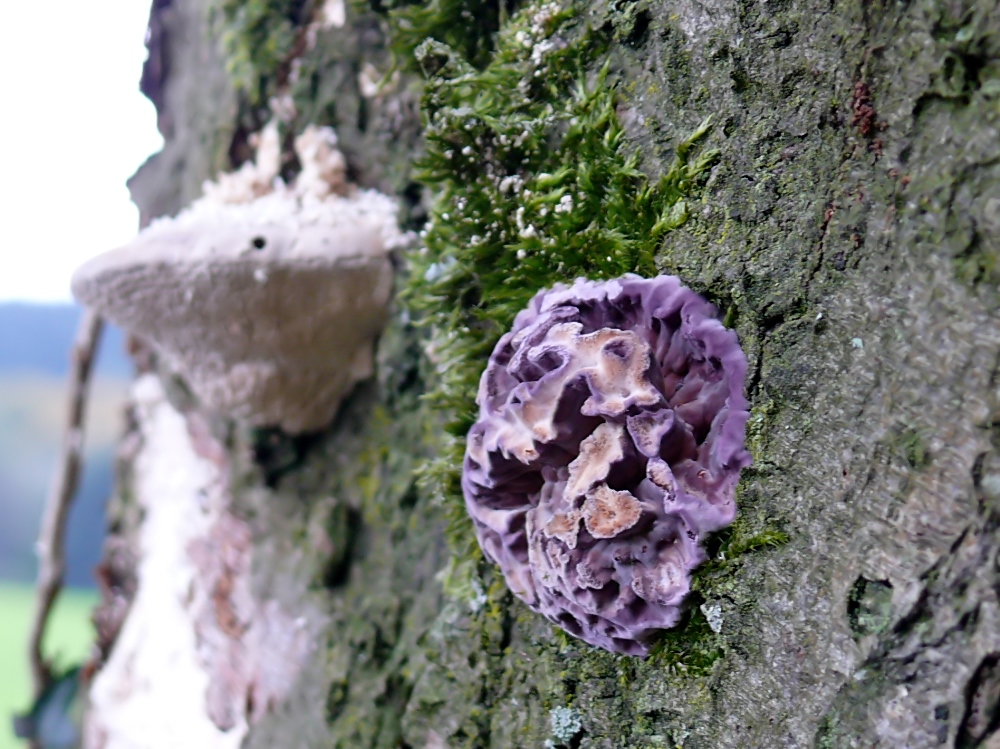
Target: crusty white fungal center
[[565, 526], [614, 361], [607, 512], [597, 453]]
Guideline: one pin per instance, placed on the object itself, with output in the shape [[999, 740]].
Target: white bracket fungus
[[265, 297]]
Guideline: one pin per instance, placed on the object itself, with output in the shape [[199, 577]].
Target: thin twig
[[51, 540]]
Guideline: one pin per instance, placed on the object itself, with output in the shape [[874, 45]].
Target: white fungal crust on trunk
[[265, 297], [199, 658], [151, 692]]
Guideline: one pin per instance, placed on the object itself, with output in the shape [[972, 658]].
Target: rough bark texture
[[851, 230]]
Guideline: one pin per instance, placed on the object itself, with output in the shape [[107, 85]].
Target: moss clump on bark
[[467, 26], [258, 39]]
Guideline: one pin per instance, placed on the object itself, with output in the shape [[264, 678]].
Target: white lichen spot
[[990, 486], [369, 81], [565, 204], [283, 107], [436, 270], [680, 735], [540, 50], [524, 230], [461, 583], [333, 14], [513, 183], [566, 723], [713, 613], [295, 70]]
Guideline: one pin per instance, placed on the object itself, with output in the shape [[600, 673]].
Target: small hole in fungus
[[259, 243]]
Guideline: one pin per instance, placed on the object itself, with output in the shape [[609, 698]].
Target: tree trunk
[[850, 232]]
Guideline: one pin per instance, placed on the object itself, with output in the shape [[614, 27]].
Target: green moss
[[688, 649], [869, 607], [761, 415], [914, 449], [462, 582], [739, 539], [908, 445], [258, 39], [534, 185], [467, 26], [629, 19]]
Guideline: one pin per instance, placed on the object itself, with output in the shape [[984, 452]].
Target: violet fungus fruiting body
[[609, 443]]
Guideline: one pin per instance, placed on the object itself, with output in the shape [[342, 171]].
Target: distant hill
[[32, 414], [37, 337], [34, 359]]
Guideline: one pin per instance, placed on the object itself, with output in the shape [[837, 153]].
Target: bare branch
[[51, 539]]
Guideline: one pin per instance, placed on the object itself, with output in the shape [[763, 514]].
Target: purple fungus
[[609, 442]]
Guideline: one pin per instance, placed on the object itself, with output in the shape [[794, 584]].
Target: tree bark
[[851, 229]]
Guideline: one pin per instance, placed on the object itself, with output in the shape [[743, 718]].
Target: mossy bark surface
[[849, 230]]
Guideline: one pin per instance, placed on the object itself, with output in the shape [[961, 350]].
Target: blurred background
[[75, 127]]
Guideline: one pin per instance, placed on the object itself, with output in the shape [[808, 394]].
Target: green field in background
[[68, 641]]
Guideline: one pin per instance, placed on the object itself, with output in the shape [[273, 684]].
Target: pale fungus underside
[[265, 298]]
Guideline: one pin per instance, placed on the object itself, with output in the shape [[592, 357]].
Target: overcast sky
[[73, 128]]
